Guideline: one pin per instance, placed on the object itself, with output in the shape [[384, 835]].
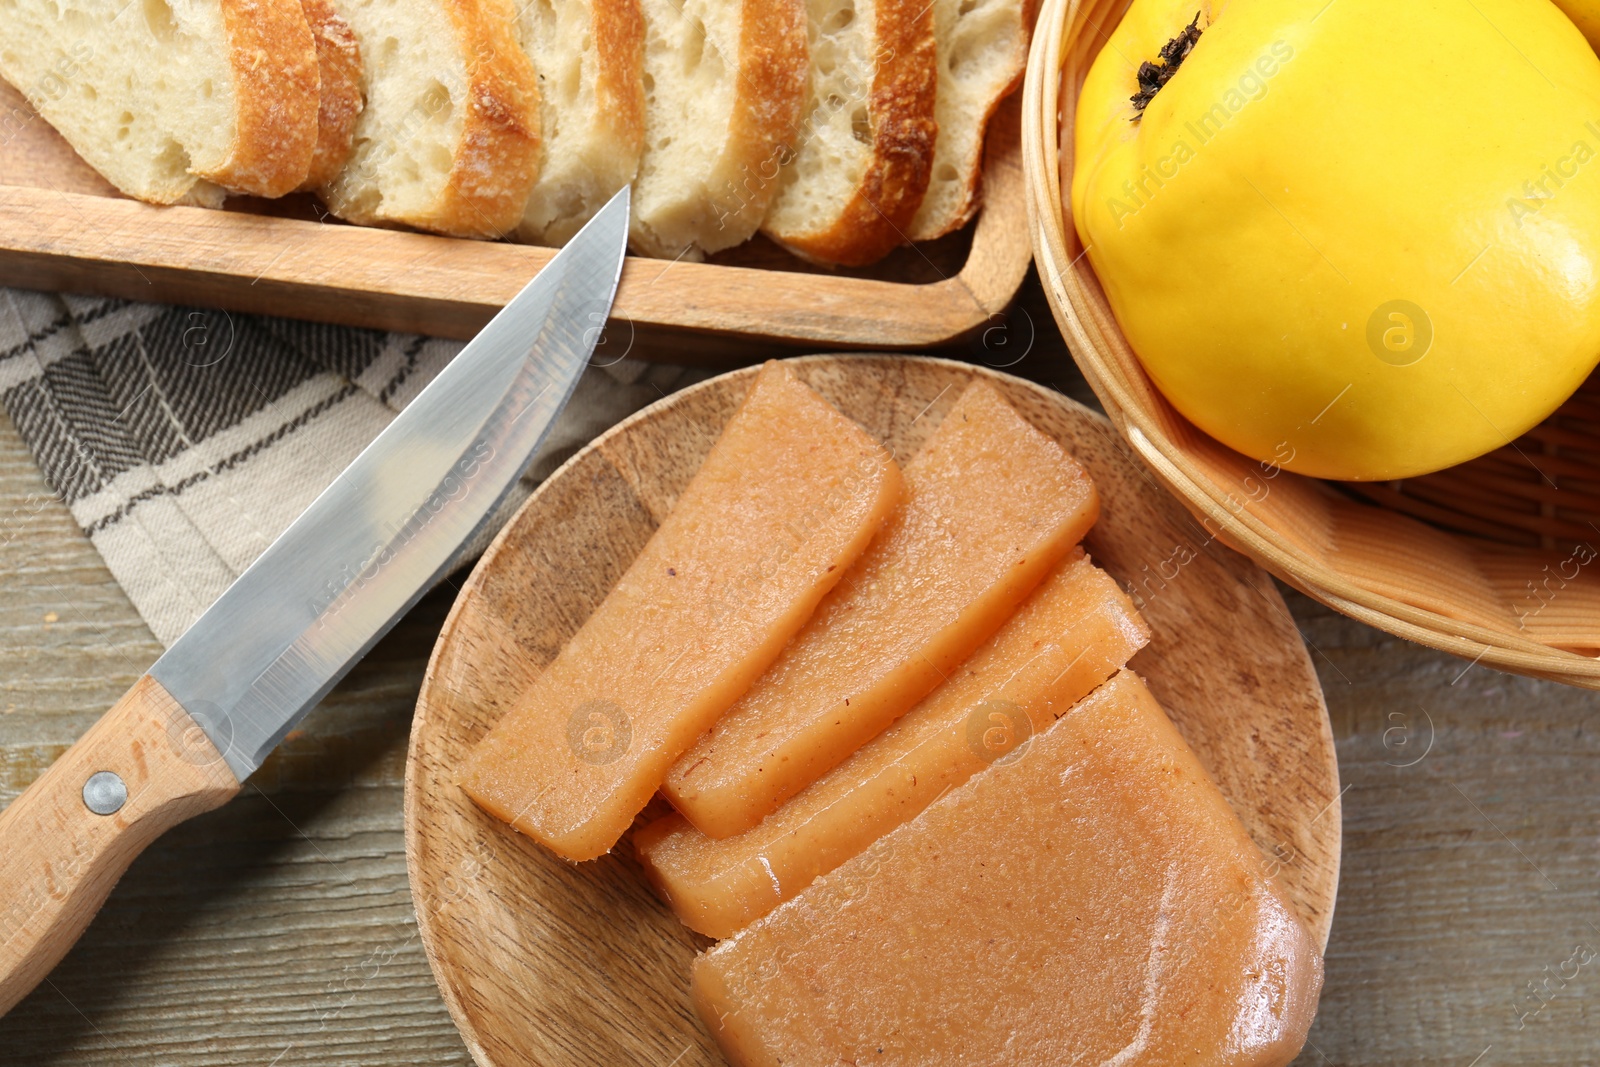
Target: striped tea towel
[[185, 441]]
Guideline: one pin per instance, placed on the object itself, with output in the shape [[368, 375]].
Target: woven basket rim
[[1042, 166]]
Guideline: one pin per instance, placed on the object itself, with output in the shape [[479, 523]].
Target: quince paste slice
[[1095, 901], [991, 506], [789, 496], [1075, 631]]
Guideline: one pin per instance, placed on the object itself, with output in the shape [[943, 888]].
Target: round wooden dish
[[1494, 560], [544, 962]]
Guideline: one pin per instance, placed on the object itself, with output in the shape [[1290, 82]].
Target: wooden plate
[[543, 962], [62, 227]]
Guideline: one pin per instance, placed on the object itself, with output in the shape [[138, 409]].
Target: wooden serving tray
[[541, 961], [62, 227]]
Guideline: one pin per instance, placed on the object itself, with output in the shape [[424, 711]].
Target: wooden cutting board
[[543, 961], [62, 227]]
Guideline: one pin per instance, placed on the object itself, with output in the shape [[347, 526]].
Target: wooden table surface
[[278, 930]]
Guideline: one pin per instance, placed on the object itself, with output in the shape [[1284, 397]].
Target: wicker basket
[[1497, 560]]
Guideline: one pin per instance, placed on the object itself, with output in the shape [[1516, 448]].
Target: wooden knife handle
[[59, 859]]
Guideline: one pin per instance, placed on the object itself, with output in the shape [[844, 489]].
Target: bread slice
[[339, 62], [589, 55], [449, 138], [866, 146], [724, 83], [171, 101], [983, 48]]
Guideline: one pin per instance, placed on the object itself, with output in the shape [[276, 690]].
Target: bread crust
[[497, 157], [769, 102], [341, 100], [619, 72], [561, 201], [930, 228], [277, 94], [900, 108]]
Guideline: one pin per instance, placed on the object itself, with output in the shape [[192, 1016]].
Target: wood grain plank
[[62, 228], [1472, 841], [278, 927], [237, 940]]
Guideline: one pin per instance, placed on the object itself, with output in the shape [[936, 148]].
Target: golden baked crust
[[619, 74], [497, 159], [901, 111], [588, 155], [774, 67], [341, 101], [930, 228], [277, 89]]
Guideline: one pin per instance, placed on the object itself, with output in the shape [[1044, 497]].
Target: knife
[[221, 698]]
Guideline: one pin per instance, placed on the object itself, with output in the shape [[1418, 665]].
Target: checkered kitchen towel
[[185, 441]]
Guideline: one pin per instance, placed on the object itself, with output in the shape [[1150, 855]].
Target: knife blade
[[294, 623]]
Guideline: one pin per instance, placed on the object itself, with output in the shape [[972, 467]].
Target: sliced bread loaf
[[449, 138], [865, 148], [724, 85], [172, 101], [983, 49], [339, 61], [589, 55]]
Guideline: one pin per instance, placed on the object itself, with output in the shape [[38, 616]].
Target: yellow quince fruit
[[1585, 14], [1358, 239]]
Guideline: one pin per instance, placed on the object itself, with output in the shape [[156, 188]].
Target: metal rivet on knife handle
[[59, 853], [227, 691], [105, 792]]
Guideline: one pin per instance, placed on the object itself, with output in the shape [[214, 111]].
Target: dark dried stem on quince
[[1152, 76]]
